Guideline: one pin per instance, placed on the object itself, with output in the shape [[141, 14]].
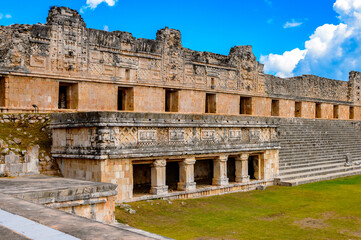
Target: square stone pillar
[[186, 175], [220, 171], [242, 168], [158, 177]]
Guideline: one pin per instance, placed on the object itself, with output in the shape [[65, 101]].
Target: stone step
[[319, 151], [316, 156], [310, 164], [318, 178], [317, 173], [310, 169]]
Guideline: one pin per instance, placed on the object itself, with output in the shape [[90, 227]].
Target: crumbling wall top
[[64, 16]]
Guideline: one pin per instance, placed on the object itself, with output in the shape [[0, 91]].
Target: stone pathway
[[30, 229], [21, 219]]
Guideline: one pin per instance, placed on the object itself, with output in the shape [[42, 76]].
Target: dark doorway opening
[[335, 111], [275, 106], [125, 99], [172, 175], [298, 109], [245, 105], [352, 113], [211, 103], [171, 100], [253, 167], [318, 110], [141, 178], [231, 169], [63, 97], [203, 172], [2, 92]]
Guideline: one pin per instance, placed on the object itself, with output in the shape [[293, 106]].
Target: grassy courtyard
[[324, 210]]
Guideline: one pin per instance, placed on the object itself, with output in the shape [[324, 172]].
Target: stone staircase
[[315, 150]]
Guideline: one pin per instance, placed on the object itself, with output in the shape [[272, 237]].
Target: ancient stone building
[[153, 116]]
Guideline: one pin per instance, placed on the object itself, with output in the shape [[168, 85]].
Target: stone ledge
[[206, 191], [113, 119], [64, 222]]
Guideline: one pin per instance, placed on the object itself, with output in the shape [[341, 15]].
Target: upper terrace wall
[[314, 88], [65, 49]]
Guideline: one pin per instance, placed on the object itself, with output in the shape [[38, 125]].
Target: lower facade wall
[[110, 171], [120, 172], [101, 212]]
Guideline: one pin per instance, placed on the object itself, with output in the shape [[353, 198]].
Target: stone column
[[186, 175], [220, 171], [242, 168], [159, 177]]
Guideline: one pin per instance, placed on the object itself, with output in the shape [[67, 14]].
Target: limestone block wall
[[271, 164], [97, 96], [25, 142], [23, 92], [191, 101], [286, 108], [326, 111], [308, 86], [149, 99], [103, 146], [14, 166], [308, 109], [261, 106], [228, 103], [101, 210], [343, 112], [357, 113]]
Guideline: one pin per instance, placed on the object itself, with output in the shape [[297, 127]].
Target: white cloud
[[349, 10], [5, 16], [292, 24], [106, 28], [92, 4], [328, 38], [283, 65], [331, 51]]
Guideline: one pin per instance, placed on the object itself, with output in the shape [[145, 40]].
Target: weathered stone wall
[[64, 47], [103, 146], [309, 87], [25, 91], [126, 135], [25, 142]]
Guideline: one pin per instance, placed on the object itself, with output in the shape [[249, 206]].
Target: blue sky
[[275, 28]]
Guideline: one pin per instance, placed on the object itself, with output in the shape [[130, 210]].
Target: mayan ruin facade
[[163, 121]]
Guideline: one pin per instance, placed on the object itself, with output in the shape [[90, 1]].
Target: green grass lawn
[[324, 210]]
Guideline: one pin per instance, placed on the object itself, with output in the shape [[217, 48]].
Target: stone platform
[[39, 198], [68, 224], [92, 200]]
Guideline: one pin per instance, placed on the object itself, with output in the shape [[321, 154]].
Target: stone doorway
[[255, 167], [231, 169], [2, 92], [172, 175], [141, 178], [203, 172]]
